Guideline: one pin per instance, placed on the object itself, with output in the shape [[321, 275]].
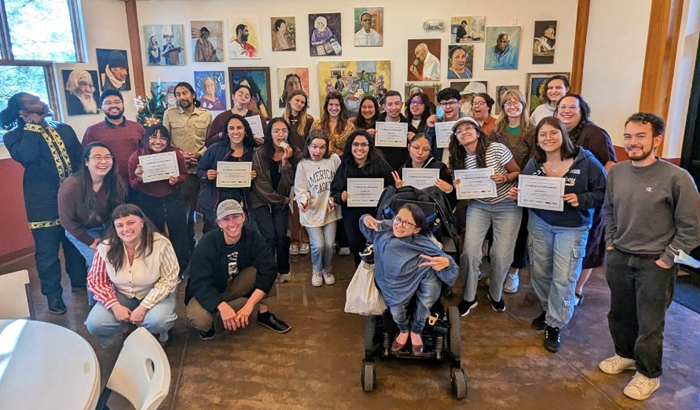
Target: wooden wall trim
[[582, 14], [132, 25]]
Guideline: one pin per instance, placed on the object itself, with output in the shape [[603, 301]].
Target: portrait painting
[[535, 88], [545, 38], [369, 26], [164, 44], [210, 87], [460, 60], [324, 35], [207, 41], [284, 33], [113, 68], [467, 29], [424, 60], [258, 79], [244, 37], [500, 89], [82, 92], [430, 89], [290, 79], [467, 90], [167, 90], [502, 48], [353, 80]]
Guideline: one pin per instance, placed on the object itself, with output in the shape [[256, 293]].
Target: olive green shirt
[[188, 132]]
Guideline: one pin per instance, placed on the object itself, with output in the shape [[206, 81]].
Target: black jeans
[[189, 191], [640, 294], [273, 223], [351, 223], [48, 242]]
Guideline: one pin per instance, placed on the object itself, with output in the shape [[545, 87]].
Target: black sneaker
[[464, 307], [56, 305], [271, 322], [539, 323], [209, 334], [552, 341], [499, 306]]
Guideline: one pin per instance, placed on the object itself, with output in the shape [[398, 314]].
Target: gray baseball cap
[[228, 207], [463, 120]]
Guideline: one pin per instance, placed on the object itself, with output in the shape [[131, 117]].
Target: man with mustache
[[240, 47], [80, 92]]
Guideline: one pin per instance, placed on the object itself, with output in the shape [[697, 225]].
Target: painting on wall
[[430, 89], [167, 90], [460, 61], [535, 88], [467, 89], [244, 33], [369, 26], [545, 38], [284, 33], [324, 35], [424, 60], [210, 87], [354, 80], [207, 41], [258, 79], [82, 92], [290, 79], [500, 89], [468, 29], [502, 48], [164, 44], [113, 67]]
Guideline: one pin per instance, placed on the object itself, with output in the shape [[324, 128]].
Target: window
[[30, 79]]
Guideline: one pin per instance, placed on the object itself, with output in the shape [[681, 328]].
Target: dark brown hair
[[568, 148], [115, 253], [116, 188], [316, 134], [458, 153], [342, 117]]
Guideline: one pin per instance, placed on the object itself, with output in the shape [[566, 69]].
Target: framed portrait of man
[[424, 59], [113, 68], [543, 46], [369, 26], [207, 41], [502, 48], [82, 92], [244, 35]]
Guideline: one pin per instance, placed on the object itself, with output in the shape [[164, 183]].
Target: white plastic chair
[[15, 300], [141, 374]]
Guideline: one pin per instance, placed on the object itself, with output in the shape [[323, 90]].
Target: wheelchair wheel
[[368, 378], [455, 335], [370, 332], [458, 383]]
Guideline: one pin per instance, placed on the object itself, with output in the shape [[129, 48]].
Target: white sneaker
[[304, 249], [512, 282], [317, 279], [641, 387], [616, 365], [287, 277], [344, 251], [328, 278], [294, 249]]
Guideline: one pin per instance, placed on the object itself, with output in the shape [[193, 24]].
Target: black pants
[[189, 191], [640, 294], [351, 223], [273, 223], [48, 241]]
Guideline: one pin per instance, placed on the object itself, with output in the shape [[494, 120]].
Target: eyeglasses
[[100, 158], [478, 104], [416, 102], [403, 223], [448, 103], [513, 104], [110, 103], [360, 144]]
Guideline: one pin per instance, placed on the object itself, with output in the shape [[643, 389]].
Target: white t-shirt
[[312, 184], [540, 112]]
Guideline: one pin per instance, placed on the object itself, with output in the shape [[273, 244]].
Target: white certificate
[[420, 178], [256, 126], [443, 132], [391, 134], [159, 167], [541, 192], [233, 174], [364, 192], [475, 183]]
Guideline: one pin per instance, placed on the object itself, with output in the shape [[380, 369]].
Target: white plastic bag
[[362, 295]]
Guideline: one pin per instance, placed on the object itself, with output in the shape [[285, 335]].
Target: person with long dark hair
[[418, 109], [49, 152], [368, 114], [240, 105], [134, 278], [334, 122]]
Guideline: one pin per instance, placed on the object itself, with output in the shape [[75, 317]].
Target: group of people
[[136, 240]]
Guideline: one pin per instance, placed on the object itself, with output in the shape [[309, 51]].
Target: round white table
[[45, 366]]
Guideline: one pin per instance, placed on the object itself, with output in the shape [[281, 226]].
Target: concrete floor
[[317, 364]]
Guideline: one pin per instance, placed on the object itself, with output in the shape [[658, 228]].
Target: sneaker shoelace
[[639, 381], [617, 361]]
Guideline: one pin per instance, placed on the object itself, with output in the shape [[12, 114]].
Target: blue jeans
[[556, 258], [504, 217], [85, 250], [427, 294], [321, 240], [158, 320]]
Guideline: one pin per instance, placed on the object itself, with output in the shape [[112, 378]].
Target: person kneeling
[[134, 276], [406, 263], [230, 263]]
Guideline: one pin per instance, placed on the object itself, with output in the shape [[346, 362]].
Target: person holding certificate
[[368, 115], [471, 150], [395, 156], [360, 160], [240, 101], [162, 201], [237, 146], [334, 122], [418, 109], [448, 101], [274, 164], [558, 238]]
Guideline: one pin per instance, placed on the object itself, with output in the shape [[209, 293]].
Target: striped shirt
[[497, 156], [149, 278]]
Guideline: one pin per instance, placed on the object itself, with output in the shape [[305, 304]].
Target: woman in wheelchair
[[408, 262]]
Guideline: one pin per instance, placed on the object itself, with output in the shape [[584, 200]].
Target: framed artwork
[[324, 35], [369, 27], [502, 48], [82, 92], [354, 80], [290, 79], [535, 88], [164, 44], [460, 60], [167, 90], [258, 79], [244, 33], [207, 41], [113, 68], [500, 89], [431, 89], [284, 33], [467, 29], [424, 60], [545, 38], [467, 89], [210, 87]]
